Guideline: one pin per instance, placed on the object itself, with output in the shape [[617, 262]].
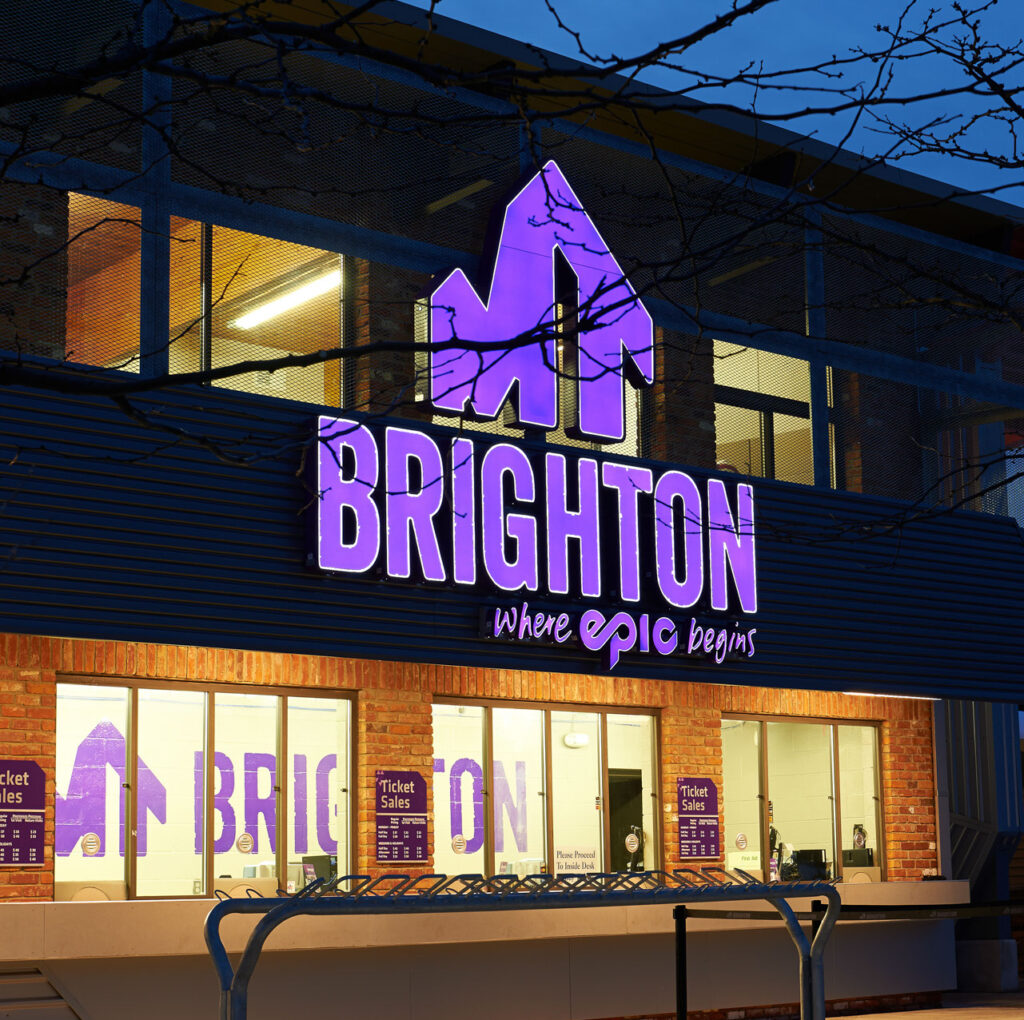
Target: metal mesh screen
[[340, 144], [690, 240], [96, 117], [930, 448], [69, 277], [921, 301]]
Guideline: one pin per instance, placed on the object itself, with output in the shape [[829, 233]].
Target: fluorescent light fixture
[[286, 302]]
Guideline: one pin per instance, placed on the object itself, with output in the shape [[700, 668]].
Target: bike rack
[[424, 894]]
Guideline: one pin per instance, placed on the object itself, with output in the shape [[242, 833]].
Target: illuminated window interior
[[502, 816], [239, 297], [762, 414], [801, 799], [218, 778]]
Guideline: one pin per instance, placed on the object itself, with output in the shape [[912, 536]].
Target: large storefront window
[[199, 769], [801, 799], [558, 790]]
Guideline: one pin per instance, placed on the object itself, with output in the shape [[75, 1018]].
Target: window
[[104, 270], [801, 799], [524, 790], [213, 807], [238, 297], [762, 414]]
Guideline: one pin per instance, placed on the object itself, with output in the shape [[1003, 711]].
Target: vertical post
[[679, 913], [814, 307], [155, 261]]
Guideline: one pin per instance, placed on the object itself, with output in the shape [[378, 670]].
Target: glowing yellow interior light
[[286, 302]]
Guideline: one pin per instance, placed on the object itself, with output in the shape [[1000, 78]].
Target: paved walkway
[[965, 1006]]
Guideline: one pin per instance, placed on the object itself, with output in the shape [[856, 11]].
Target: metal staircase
[[25, 994]]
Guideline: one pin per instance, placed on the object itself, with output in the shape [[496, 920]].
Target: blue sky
[[787, 34]]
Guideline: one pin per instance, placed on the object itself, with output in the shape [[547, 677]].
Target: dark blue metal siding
[[109, 530]]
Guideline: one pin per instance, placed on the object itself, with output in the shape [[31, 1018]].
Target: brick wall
[[681, 429], [28, 723], [33, 269], [393, 725]]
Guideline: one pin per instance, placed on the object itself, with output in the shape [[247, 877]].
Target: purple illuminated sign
[[503, 343], [401, 816], [22, 812], [401, 503], [698, 818]]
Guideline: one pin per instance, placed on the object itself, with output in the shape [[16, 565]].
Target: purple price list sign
[[22, 806], [698, 818], [401, 816]]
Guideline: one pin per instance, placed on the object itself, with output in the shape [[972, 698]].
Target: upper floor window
[[238, 297], [762, 414]]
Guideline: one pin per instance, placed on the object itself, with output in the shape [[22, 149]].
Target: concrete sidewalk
[[964, 1006]]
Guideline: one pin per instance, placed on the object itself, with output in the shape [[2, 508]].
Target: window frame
[[548, 707], [837, 808], [281, 802]]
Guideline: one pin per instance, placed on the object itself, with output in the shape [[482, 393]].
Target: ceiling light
[[286, 302]]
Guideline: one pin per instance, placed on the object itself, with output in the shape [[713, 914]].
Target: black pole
[[679, 913], [818, 909]]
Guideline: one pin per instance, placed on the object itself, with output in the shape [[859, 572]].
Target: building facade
[[417, 475]]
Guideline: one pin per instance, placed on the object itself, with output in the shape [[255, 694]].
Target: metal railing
[[429, 894]]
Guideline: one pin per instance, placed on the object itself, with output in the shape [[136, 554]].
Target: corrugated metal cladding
[[111, 530]]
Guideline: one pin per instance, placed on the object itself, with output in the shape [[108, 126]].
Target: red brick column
[[28, 730]]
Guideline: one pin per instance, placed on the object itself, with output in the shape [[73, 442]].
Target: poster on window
[[698, 818], [22, 807], [401, 816]]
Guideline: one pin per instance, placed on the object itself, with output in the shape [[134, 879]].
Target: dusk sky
[[786, 34]]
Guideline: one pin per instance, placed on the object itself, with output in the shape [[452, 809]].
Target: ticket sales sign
[[22, 812], [621, 537]]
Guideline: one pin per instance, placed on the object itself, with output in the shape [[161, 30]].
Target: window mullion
[[549, 817], [208, 763], [488, 763], [129, 788]]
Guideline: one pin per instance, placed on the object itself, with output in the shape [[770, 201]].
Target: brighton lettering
[[83, 807], [410, 506]]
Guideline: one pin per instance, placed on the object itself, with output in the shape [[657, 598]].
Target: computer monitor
[[323, 865], [811, 865]]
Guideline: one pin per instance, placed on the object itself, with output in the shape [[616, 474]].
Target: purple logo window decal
[[503, 343]]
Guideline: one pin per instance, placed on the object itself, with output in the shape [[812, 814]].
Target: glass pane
[[800, 798], [518, 796], [858, 796], [458, 789], [92, 765], [318, 783], [269, 298], [738, 442], [170, 796], [576, 792], [793, 458], [631, 802], [745, 368], [741, 788], [244, 782], [104, 270]]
